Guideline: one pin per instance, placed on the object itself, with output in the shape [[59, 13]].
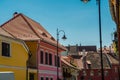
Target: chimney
[[15, 14], [77, 48]]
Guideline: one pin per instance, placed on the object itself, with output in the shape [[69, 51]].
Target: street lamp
[[64, 38], [100, 34]]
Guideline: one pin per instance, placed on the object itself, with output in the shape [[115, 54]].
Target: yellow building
[[13, 55], [41, 45], [115, 10], [115, 13]]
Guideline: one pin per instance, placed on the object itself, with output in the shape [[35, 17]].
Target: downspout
[[27, 69], [27, 61], [27, 65], [37, 59]]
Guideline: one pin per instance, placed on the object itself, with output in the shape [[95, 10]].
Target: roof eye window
[[44, 34], [52, 38]]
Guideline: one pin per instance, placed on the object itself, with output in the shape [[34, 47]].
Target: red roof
[[67, 63], [24, 28], [4, 33]]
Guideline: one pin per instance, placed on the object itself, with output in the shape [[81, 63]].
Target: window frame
[[50, 59], [58, 61], [55, 60], [46, 78], [6, 42], [51, 78], [41, 77], [41, 57], [46, 58], [91, 73], [106, 72]]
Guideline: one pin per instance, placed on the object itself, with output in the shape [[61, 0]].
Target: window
[[90, 79], [50, 59], [5, 49], [92, 73], [82, 77], [58, 61], [46, 78], [55, 60], [116, 70], [84, 73], [46, 58], [99, 73], [44, 34], [89, 66], [41, 57], [41, 78], [31, 76], [106, 73], [51, 78]]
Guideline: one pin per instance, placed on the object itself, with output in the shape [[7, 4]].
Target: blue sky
[[78, 20]]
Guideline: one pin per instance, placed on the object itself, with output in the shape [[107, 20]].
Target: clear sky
[[78, 20]]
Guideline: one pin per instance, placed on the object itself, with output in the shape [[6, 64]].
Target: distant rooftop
[[88, 48], [75, 49]]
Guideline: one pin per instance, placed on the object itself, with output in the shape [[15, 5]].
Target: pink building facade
[[47, 65]]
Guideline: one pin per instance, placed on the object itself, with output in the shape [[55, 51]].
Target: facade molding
[[49, 72], [12, 67]]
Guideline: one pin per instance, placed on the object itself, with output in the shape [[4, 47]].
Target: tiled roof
[[65, 61], [4, 33], [24, 28], [19, 28], [72, 50], [75, 50], [95, 60], [79, 63], [112, 59], [87, 48]]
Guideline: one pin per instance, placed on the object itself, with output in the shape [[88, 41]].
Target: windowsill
[[6, 56]]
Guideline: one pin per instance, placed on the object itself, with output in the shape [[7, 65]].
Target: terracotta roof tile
[[4, 33], [20, 29], [94, 58], [88, 48], [24, 28], [112, 59], [80, 63], [63, 59]]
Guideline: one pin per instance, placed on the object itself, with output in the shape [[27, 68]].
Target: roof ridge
[[10, 19], [29, 25], [48, 34]]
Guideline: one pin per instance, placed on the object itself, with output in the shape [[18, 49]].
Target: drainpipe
[[27, 64], [38, 46], [27, 70], [29, 56]]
